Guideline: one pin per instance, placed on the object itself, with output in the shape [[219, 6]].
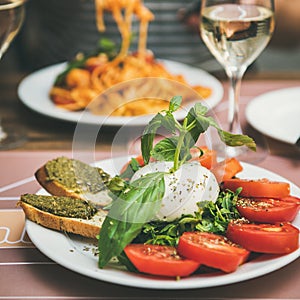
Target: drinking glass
[[236, 32], [11, 18]]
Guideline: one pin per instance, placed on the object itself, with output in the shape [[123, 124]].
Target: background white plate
[[277, 114], [71, 252], [34, 90]]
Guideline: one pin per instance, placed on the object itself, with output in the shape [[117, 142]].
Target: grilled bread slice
[[70, 177], [66, 214]]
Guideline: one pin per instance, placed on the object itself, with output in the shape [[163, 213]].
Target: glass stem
[[235, 79]]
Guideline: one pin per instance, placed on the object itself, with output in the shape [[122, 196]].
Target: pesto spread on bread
[[76, 176], [61, 206]]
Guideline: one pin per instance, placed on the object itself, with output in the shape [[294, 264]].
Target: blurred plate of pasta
[[128, 103]]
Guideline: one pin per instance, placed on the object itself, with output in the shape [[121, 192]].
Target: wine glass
[[11, 18], [236, 32]]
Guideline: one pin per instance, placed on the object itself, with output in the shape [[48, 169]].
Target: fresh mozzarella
[[190, 184]]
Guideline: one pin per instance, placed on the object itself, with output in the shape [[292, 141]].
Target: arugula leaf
[[135, 206], [211, 217], [167, 233], [216, 216]]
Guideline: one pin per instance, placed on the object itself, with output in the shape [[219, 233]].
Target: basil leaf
[[200, 110], [124, 260], [231, 139], [175, 103], [234, 140], [168, 122], [77, 63], [165, 149], [134, 207], [131, 169], [197, 113], [104, 45], [148, 136], [196, 116]]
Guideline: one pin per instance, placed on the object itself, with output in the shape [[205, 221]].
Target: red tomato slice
[[292, 199], [226, 169], [258, 188], [212, 250], [160, 260], [267, 210], [208, 158], [279, 238]]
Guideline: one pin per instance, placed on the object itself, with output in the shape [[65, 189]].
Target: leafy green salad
[[136, 202]]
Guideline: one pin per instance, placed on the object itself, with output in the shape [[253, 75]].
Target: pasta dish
[[87, 77]]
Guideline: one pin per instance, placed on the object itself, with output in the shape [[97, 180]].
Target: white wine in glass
[[11, 18], [236, 32]]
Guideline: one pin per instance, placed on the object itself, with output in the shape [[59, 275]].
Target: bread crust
[[87, 228]]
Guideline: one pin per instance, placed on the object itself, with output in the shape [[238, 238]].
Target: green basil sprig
[[184, 135]]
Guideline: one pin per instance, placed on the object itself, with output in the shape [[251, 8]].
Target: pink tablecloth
[[25, 273]]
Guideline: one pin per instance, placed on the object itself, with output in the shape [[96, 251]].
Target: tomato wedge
[[160, 260], [279, 238], [226, 169], [208, 158], [267, 210], [258, 188], [212, 250]]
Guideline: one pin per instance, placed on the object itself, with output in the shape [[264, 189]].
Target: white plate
[[34, 89], [277, 114], [71, 251]]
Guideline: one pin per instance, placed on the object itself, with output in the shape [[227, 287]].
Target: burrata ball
[[189, 185]]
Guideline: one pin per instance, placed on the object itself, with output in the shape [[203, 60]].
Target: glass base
[[10, 139], [220, 113]]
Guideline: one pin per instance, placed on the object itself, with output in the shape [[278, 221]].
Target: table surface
[[26, 272]]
